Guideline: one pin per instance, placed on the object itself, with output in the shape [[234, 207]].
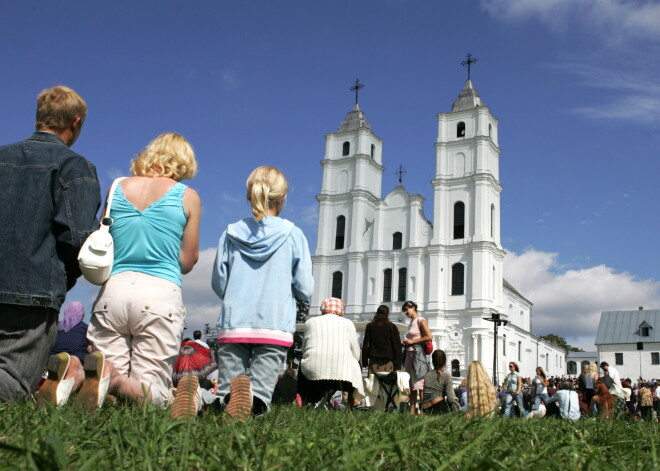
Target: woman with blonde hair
[[262, 266], [481, 396], [138, 316]]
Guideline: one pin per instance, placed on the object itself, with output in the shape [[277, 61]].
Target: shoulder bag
[[97, 256]]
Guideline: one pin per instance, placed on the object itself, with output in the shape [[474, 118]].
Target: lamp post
[[495, 319]]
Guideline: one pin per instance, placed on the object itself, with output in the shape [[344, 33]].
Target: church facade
[[372, 250]]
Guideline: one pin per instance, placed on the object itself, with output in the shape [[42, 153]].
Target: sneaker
[[240, 398], [56, 390], [187, 401], [95, 388]]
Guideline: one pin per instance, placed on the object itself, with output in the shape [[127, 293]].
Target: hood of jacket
[[258, 240]]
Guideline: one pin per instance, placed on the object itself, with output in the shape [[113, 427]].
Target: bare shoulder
[[191, 195]]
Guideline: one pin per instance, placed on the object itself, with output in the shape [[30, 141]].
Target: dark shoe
[[56, 390], [240, 398]]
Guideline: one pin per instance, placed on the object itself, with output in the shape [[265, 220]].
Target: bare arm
[[189, 252], [424, 331]]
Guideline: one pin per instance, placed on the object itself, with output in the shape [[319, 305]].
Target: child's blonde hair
[[481, 395], [266, 188], [169, 155]]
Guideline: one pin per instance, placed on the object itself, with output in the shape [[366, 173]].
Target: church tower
[[350, 191], [466, 254]]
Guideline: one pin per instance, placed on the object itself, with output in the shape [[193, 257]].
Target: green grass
[[130, 437]]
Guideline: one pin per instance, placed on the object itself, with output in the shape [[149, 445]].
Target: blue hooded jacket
[[260, 269]]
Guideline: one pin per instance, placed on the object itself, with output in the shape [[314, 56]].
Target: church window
[[504, 344], [457, 279], [346, 148], [618, 358], [387, 285], [571, 368], [403, 275], [520, 354], [459, 220], [492, 220], [460, 129], [655, 358], [397, 239], [337, 284], [490, 130], [341, 229], [455, 368], [373, 151]]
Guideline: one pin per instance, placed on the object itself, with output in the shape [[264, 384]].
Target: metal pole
[[495, 356]]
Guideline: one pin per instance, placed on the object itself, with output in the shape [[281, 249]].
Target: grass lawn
[[129, 437]]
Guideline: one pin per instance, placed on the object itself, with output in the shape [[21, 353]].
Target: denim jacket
[[49, 196]]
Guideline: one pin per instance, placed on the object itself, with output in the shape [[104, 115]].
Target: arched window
[[387, 285], [403, 276], [455, 368], [583, 364], [520, 352], [337, 283], [504, 344], [459, 220], [571, 368], [346, 148], [492, 220], [373, 151], [339, 235], [490, 130], [397, 241], [460, 129], [457, 279]]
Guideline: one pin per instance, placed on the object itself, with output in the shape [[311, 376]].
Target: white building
[[372, 250], [630, 341], [575, 361]]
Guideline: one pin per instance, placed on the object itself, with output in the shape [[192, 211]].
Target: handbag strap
[[108, 203]]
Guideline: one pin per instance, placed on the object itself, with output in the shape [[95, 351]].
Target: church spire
[[356, 118]]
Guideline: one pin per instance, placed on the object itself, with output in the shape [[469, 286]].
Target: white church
[[374, 250]]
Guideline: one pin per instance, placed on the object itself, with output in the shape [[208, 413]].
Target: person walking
[[50, 198], [262, 266]]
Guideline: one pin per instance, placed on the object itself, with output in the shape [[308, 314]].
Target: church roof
[[510, 287], [626, 326], [467, 99], [354, 119]]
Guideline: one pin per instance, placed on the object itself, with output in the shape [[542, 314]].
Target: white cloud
[[617, 20], [569, 302]]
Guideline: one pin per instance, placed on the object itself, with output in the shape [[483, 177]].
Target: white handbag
[[97, 254]]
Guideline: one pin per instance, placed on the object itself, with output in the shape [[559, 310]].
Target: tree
[[561, 342], [294, 354]]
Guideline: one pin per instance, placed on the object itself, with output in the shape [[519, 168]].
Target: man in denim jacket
[[49, 196]]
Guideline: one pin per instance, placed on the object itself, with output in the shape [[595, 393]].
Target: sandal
[[95, 388], [56, 390], [240, 398]]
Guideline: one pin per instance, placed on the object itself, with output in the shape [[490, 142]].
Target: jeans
[[263, 360], [26, 336], [509, 403], [538, 398]]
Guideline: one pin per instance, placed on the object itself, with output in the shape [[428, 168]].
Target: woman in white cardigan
[[330, 355]]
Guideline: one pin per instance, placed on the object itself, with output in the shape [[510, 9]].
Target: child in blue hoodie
[[262, 265]]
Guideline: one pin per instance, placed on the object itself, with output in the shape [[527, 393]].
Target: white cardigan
[[330, 351]]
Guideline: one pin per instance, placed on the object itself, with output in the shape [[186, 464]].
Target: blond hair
[[266, 189], [169, 155], [57, 107], [481, 394]]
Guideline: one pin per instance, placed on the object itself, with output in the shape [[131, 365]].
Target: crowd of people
[[132, 348]]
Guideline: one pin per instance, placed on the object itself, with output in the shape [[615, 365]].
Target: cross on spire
[[356, 88], [401, 171], [470, 60]]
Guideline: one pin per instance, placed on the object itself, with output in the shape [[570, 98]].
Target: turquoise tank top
[[149, 241]]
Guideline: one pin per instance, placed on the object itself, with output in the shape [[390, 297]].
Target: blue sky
[[572, 82]]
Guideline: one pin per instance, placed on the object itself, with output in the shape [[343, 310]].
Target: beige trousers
[[137, 323]]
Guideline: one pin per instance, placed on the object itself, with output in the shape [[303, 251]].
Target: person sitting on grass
[[482, 396], [602, 404], [439, 395], [569, 406]]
